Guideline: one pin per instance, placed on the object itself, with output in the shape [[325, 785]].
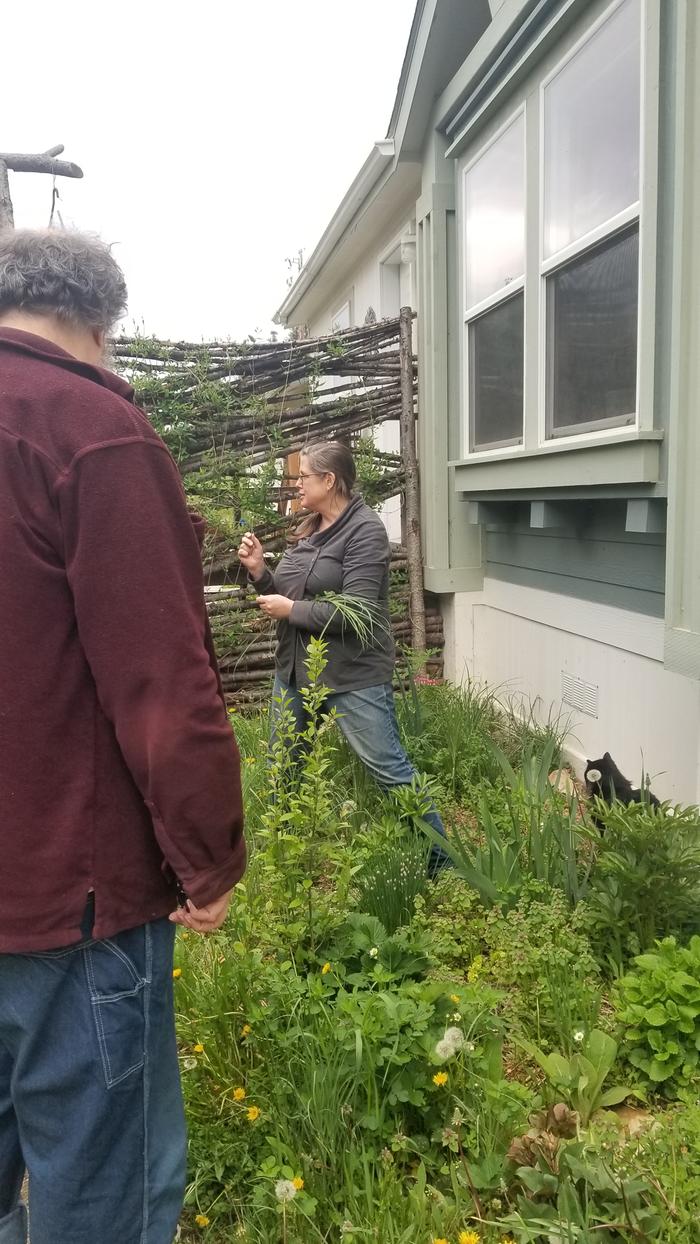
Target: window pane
[[592, 337], [496, 375], [591, 132], [495, 215]]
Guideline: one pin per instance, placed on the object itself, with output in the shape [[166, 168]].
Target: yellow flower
[[475, 969], [441, 1240], [185, 933], [198, 1049], [252, 1113], [454, 998], [326, 968], [202, 1220], [246, 1030], [298, 1183], [440, 1078], [507, 1239], [469, 1237], [177, 973], [239, 1094]]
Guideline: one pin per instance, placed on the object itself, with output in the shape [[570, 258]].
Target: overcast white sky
[[216, 137]]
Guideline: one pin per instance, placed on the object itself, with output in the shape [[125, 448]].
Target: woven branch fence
[[235, 418]]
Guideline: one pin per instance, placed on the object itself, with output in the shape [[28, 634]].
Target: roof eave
[[379, 158]]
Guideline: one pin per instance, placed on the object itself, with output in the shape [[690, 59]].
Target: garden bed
[[369, 1055]]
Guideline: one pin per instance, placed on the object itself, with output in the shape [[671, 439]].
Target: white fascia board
[[376, 163]]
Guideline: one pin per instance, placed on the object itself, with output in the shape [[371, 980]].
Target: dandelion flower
[[252, 1113], [454, 998], [374, 952], [285, 1190], [440, 1240], [440, 1078], [298, 1183], [246, 1030], [444, 1050], [198, 1049], [507, 1239], [177, 973], [325, 969], [239, 1094], [202, 1220], [468, 1237]]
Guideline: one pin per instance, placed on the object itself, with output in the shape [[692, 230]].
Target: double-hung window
[[590, 229], [494, 205], [553, 199]]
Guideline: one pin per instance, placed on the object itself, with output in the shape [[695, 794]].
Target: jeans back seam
[[148, 940]]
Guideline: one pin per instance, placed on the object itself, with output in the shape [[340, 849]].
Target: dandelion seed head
[[455, 1036], [285, 1190]]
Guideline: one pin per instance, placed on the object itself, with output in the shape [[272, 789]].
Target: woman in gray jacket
[[342, 548]]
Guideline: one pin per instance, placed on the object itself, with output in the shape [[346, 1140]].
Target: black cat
[[603, 778]]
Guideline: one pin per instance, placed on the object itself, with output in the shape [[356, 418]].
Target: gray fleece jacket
[[351, 556]]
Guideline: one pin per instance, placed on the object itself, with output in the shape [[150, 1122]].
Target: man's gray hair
[[61, 272]]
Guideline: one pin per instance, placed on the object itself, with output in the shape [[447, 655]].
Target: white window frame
[[346, 305], [614, 225], [531, 102], [472, 313]]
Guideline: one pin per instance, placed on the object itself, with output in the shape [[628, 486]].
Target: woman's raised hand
[[250, 555]]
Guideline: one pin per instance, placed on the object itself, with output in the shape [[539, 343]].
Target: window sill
[[617, 460]]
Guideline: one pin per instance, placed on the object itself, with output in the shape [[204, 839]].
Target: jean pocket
[[118, 999]]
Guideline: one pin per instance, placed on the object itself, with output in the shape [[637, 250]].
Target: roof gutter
[[376, 163]]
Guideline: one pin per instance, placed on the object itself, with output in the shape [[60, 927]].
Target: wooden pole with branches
[[42, 162], [414, 553]]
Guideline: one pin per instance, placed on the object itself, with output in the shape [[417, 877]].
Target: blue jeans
[[90, 1099], [367, 719]]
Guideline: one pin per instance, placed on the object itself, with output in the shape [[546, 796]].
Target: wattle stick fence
[[235, 417]]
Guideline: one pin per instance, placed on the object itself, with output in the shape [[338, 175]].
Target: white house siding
[[522, 640], [368, 288]]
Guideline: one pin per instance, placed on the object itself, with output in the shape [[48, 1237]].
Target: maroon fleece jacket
[[119, 771]]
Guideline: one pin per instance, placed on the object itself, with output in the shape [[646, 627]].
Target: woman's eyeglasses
[[307, 475]]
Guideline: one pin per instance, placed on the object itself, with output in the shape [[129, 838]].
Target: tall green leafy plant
[[645, 883], [537, 836], [658, 1006]]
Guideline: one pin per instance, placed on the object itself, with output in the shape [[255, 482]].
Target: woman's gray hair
[[61, 272], [333, 457]]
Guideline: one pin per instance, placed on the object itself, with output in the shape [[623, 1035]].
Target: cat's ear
[[608, 757]]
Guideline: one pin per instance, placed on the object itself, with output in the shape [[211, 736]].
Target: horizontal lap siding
[[608, 566]]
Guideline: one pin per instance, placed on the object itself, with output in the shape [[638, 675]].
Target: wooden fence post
[[414, 554]]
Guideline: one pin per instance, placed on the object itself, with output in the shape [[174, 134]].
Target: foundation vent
[[579, 694]]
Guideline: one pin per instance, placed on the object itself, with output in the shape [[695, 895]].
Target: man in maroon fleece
[[119, 773]]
